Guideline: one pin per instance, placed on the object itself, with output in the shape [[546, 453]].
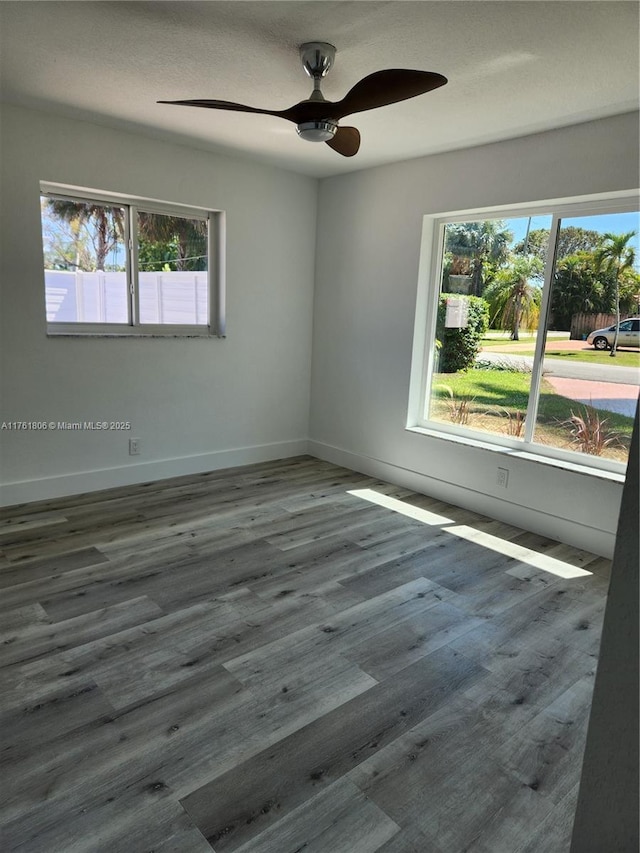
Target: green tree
[[584, 284], [616, 255], [173, 242], [571, 240], [577, 288], [484, 243], [514, 301], [155, 255], [99, 224]]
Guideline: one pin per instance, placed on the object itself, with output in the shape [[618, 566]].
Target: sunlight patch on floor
[[400, 506], [518, 552], [485, 540]]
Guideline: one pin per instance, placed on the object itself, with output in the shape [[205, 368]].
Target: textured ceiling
[[513, 67]]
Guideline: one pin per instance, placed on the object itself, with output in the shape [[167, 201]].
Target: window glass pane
[[173, 264], [587, 397], [84, 261], [490, 293]]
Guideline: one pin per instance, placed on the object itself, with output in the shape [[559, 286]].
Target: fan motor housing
[[317, 131]]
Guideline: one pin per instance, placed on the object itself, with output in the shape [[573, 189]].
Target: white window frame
[[422, 363], [216, 241]]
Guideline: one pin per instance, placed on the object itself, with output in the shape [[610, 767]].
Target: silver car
[[628, 335]]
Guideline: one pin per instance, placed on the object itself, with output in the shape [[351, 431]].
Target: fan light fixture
[[317, 131]]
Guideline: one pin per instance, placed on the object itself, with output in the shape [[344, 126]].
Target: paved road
[[570, 370]]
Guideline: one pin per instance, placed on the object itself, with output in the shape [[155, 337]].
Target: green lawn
[[506, 342], [623, 357], [494, 338], [494, 398]]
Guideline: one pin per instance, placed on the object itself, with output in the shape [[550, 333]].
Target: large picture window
[[528, 330], [130, 267]]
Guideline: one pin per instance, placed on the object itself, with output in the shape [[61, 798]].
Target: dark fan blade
[[386, 87], [376, 90], [225, 105], [346, 141]]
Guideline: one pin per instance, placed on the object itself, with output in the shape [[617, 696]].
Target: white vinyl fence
[[101, 297]]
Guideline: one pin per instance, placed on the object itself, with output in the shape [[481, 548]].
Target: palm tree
[[513, 301], [186, 237], [482, 242], [617, 256], [577, 287], [104, 223]]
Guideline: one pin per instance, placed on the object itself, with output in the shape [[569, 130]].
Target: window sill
[[527, 455], [54, 333]]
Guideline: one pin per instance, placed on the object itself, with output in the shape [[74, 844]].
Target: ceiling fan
[[317, 119]]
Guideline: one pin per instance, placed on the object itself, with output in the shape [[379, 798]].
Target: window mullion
[[541, 337], [134, 278], [216, 238], [430, 352]]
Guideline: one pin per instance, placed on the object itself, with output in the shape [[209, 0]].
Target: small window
[[134, 267], [510, 302]]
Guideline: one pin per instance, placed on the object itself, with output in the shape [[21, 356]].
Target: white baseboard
[[563, 530], [46, 488]]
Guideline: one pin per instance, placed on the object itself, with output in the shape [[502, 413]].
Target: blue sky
[[617, 223]]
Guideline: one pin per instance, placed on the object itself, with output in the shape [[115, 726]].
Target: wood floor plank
[[20, 618], [483, 812], [183, 736], [21, 523], [133, 747], [406, 777], [139, 662], [308, 658], [410, 640], [149, 819], [22, 548], [340, 819], [239, 805], [548, 624], [361, 623], [387, 574], [27, 729], [48, 567], [543, 753], [410, 839], [432, 558], [340, 559], [413, 781], [34, 640], [553, 833]]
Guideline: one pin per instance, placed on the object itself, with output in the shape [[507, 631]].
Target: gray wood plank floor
[[289, 657]]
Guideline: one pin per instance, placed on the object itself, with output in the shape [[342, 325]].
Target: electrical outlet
[[134, 446], [503, 477]]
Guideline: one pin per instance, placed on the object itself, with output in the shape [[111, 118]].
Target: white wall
[[215, 402], [201, 404], [369, 229]]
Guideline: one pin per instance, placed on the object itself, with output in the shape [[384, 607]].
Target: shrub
[[515, 422], [506, 365], [590, 432], [459, 347], [459, 407]]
